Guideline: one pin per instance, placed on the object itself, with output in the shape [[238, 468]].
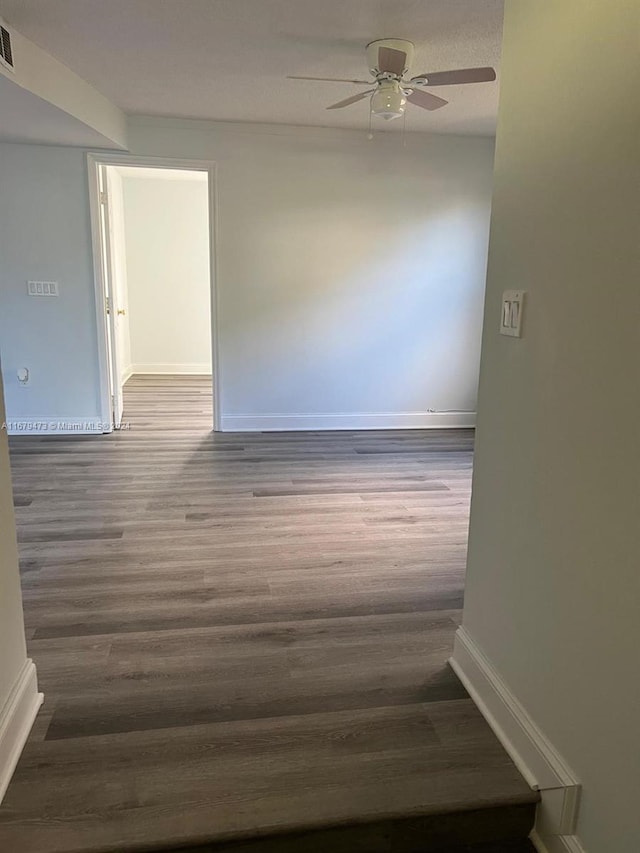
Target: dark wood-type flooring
[[243, 640]]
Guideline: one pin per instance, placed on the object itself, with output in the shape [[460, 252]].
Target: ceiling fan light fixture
[[388, 101], [389, 61]]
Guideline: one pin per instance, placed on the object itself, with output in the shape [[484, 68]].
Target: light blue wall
[[45, 235], [350, 273]]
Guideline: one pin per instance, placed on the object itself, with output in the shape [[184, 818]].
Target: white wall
[[45, 235], [13, 650], [350, 273], [19, 699], [166, 232], [553, 585]]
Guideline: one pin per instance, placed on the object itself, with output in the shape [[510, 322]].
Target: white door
[[115, 311]]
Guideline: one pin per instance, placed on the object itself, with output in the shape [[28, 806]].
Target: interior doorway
[[154, 263]]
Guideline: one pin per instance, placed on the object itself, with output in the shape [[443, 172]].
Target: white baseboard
[[556, 843], [127, 373], [186, 369], [16, 719], [530, 750], [60, 425], [348, 421]]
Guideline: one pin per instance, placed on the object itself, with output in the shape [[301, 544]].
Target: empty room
[[305, 499]]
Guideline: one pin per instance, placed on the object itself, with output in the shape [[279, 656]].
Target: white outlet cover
[[511, 313], [42, 288]]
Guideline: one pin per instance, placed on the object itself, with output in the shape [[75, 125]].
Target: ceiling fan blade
[[460, 75], [352, 100], [426, 100], [391, 60], [331, 80]]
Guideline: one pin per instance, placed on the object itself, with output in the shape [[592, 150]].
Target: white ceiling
[[228, 59]]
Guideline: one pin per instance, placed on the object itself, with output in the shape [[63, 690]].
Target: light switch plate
[[42, 288], [511, 313]]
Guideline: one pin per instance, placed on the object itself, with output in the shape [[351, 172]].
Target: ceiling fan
[[389, 61]]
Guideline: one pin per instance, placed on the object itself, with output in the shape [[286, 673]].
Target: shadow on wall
[[368, 316]]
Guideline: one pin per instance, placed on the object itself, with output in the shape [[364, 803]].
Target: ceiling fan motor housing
[[401, 45]]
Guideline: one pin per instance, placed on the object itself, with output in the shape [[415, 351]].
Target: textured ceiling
[[228, 59]]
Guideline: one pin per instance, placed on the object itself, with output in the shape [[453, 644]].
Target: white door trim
[[556, 843], [99, 158], [530, 750], [17, 716]]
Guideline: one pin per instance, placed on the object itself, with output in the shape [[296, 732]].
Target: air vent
[[6, 54]]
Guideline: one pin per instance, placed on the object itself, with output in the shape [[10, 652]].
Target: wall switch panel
[[42, 288], [511, 313]]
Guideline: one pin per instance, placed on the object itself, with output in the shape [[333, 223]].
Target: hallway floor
[[246, 634]]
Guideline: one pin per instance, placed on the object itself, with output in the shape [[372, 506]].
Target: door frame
[[95, 159], [112, 305]]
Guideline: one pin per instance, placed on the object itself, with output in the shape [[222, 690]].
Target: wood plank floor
[[241, 635]]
